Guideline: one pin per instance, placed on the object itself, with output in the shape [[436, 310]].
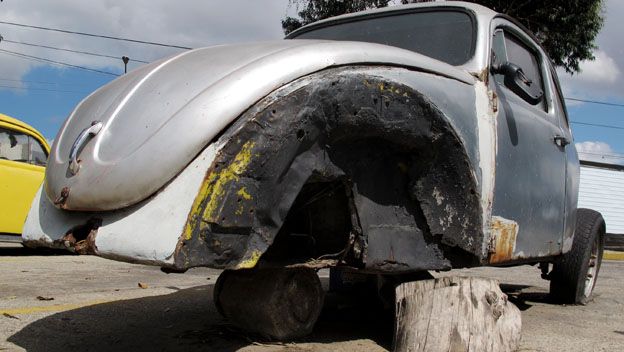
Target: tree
[[316, 10], [567, 29]]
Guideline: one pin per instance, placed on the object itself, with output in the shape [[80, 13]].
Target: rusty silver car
[[384, 144]]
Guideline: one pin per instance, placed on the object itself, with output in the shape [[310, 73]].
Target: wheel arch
[[411, 187]]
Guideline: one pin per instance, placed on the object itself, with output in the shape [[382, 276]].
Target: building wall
[[602, 189]]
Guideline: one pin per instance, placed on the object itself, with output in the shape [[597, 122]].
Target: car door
[[22, 164], [530, 180]]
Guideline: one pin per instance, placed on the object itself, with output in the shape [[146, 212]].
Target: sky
[[43, 94]]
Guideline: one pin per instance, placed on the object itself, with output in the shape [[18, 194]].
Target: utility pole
[[125, 60]]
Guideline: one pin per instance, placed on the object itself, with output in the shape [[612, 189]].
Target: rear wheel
[[278, 304], [574, 275]]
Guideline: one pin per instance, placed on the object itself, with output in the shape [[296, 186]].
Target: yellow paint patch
[[18, 259], [504, 232], [48, 309], [613, 255], [243, 193], [250, 261], [246, 196], [214, 187]]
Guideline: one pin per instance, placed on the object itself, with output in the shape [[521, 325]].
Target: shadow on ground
[[523, 295], [188, 321], [17, 250], [183, 321]]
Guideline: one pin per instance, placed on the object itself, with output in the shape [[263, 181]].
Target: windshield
[[444, 35]]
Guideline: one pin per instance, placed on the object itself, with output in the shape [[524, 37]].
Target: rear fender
[[411, 184]]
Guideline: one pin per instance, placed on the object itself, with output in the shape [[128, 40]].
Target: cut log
[[276, 303], [455, 314]]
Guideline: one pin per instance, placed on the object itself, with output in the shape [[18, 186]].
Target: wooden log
[[276, 303], [455, 314]]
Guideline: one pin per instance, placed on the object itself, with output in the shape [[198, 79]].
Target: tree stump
[[455, 314]]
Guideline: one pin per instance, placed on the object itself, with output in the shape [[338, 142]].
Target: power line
[[73, 84], [68, 50], [595, 102], [42, 89], [95, 35], [597, 125], [22, 81], [31, 57]]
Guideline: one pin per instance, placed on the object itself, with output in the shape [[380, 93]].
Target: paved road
[[89, 303]]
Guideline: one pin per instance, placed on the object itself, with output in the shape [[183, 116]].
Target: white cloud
[[602, 79], [598, 151], [191, 23], [602, 70], [11, 71], [599, 79]]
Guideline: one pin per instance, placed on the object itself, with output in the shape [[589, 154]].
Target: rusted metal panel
[[340, 124], [503, 234]]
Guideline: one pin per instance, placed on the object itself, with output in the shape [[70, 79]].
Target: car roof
[[476, 8], [15, 122]]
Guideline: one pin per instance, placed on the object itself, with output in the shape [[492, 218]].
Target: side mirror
[[518, 83]]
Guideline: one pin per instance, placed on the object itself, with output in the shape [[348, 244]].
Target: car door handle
[[561, 141]]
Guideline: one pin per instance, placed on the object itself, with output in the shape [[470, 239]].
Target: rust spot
[[503, 233], [60, 200], [315, 264], [81, 239], [494, 102], [483, 76]]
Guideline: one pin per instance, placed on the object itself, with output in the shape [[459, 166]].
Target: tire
[[574, 275]]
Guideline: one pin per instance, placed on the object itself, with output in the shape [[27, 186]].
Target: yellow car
[[23, 156]]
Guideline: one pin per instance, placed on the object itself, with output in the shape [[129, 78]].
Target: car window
[[499, 56], [17, 146], [38, 156], [444, 35], [507, 47], [558, 98]]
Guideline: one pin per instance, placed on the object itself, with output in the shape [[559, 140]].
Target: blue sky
[[43, 95], [50, 96], [599, 114]]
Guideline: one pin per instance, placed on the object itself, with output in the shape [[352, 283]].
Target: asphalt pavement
[[52, 302]]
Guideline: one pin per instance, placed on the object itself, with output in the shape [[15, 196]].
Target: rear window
[[17, 146], [447, 36]]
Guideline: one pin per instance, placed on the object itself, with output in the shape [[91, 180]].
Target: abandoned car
[[23, 154], [385, 143]]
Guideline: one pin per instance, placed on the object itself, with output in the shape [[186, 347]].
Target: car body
[[320, 152], [23, 155]]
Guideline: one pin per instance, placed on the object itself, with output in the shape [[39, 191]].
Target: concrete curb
[[613, 255]]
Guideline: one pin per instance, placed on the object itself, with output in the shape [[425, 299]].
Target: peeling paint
[[214, 186], [504, 233], [218, 181], [243, 193], [486, 118], [250, 260]]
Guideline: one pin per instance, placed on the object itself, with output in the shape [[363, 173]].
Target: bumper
[[147, 232]]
